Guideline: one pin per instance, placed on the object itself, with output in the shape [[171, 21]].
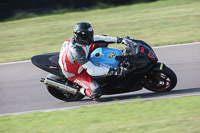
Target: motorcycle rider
[[74, 63]]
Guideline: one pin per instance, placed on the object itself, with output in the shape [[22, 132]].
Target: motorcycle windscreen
[[105, 57]]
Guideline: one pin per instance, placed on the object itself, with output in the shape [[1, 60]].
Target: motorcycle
[[137, 56]]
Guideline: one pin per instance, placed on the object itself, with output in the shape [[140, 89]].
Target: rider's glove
[[121, 71], [119, 39]]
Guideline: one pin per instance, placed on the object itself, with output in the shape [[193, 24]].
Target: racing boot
[[94, 91], [94, 94]]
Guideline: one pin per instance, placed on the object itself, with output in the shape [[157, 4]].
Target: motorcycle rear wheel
[[64, 96], [160, 80]]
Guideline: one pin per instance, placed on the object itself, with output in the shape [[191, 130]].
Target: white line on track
[[167, 46], [17, 62], [177, 45]]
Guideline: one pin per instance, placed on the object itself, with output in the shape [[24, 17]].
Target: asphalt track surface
[[21, 91]]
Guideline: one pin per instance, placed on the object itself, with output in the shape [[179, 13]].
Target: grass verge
[[179, 115], [160, 23]]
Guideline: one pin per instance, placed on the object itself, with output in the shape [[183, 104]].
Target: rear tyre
[[160, 80], [63, 95]]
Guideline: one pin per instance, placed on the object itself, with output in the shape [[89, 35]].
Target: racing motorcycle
[[137, 56]]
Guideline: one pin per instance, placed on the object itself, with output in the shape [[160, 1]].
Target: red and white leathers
[[76, 67]]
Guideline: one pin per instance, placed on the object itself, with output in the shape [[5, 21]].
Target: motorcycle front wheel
[[160, 80]]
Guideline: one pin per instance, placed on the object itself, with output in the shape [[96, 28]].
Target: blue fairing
[[105, 56]]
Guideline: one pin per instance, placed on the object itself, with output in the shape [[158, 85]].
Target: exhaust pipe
[[58, 85]]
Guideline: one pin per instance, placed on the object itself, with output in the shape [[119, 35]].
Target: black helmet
[[83, 33]]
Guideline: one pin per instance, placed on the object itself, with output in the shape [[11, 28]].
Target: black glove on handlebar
[[119, 39], [121, 71]]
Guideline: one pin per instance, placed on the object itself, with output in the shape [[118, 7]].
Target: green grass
[[179, 115], [160, 23]]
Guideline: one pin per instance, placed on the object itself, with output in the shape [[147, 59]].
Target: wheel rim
[[158, 82]]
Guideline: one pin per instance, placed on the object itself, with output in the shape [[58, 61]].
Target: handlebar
[[127, 41], [131, 46]]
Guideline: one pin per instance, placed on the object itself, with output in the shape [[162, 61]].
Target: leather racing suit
[[76, 67]]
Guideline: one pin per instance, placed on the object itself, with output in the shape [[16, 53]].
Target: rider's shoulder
[[76, 50]]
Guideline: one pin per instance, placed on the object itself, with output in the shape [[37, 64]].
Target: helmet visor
[[85, 38]]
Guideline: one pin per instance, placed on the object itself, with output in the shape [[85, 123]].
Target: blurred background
[[31, 8], [31, 27]]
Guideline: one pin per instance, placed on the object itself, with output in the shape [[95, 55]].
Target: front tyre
[[160, 80], [63, 95]]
